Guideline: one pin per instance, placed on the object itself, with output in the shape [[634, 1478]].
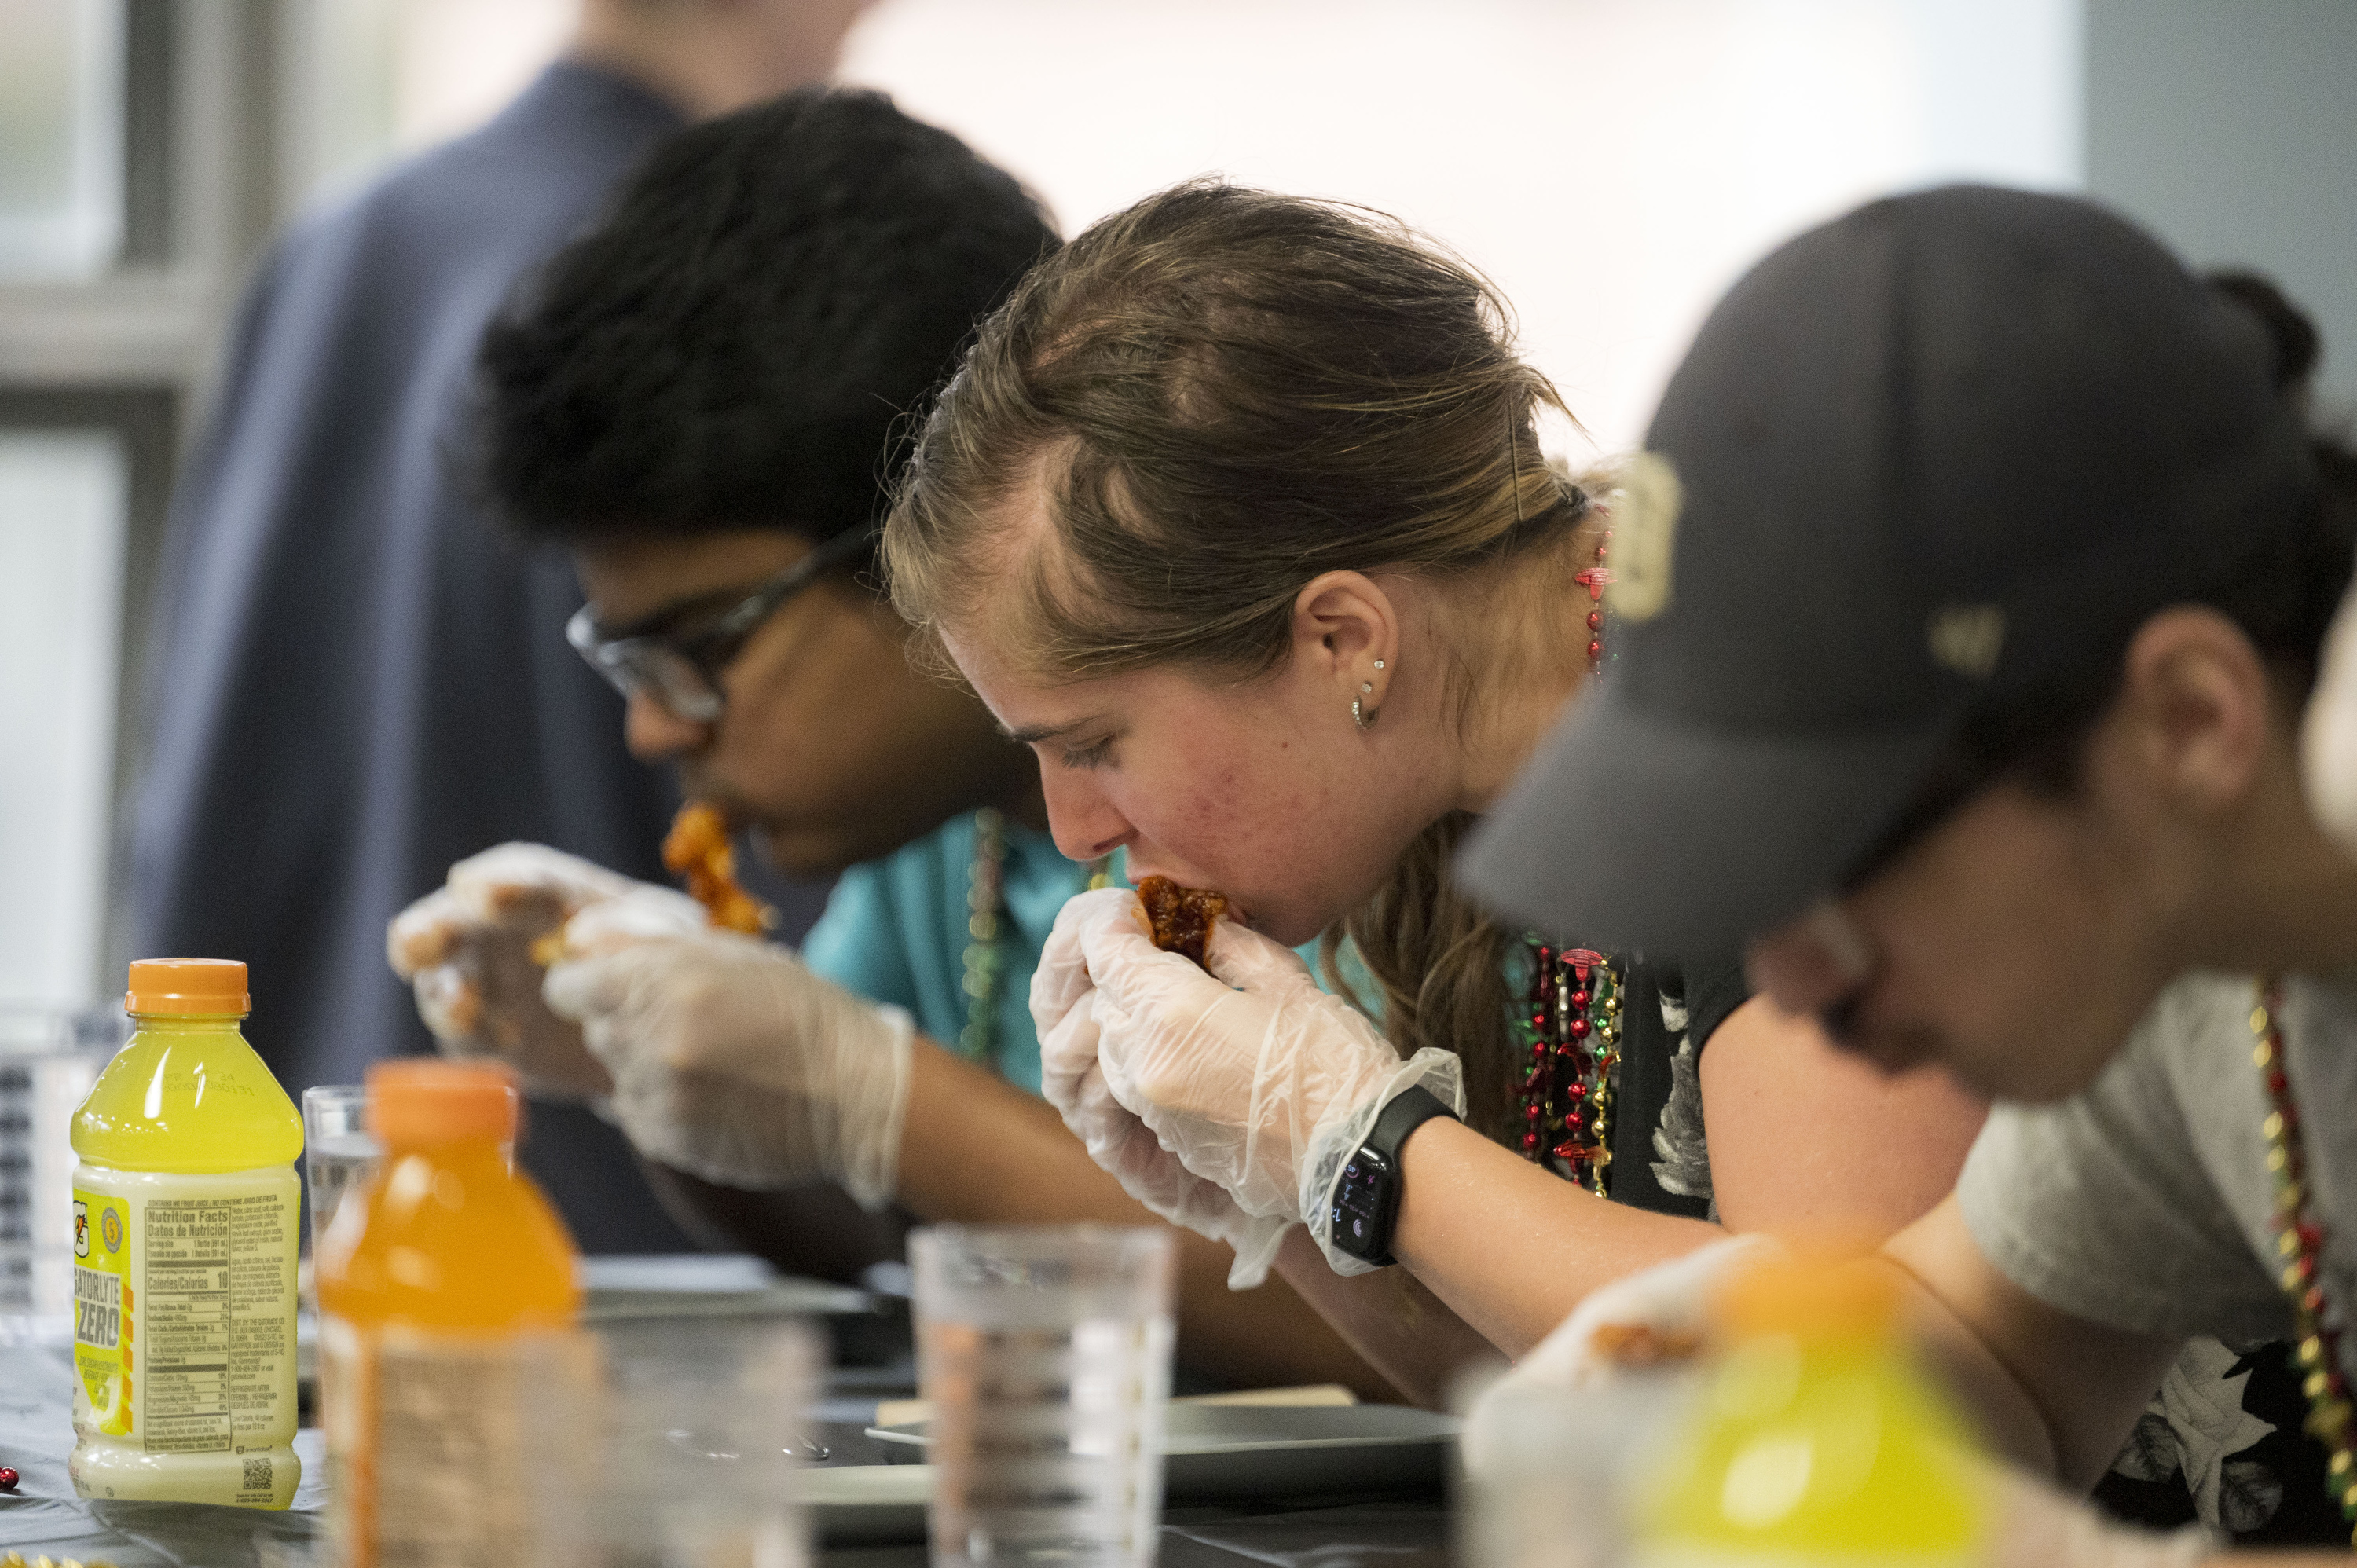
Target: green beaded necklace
[[986, 928]]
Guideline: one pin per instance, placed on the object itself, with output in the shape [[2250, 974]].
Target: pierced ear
[[1347, 627]]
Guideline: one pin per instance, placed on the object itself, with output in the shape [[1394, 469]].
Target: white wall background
[[61, 499], [2232, 131], [1612, 163]]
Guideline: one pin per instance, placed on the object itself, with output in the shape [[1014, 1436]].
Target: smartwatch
[[1367, 1194]]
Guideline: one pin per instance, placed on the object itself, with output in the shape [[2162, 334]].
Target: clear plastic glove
[[467, 951], [2329, 736], [1064, 1006], [1253, 1078], [1671, 1299], [2034, 1524], [733, 1062]]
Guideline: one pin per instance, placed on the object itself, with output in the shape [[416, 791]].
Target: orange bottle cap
[[187, 987], [1812, 1298], [418, 1100]]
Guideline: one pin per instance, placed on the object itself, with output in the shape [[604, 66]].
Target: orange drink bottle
[[185, 1212], [439, 1282]]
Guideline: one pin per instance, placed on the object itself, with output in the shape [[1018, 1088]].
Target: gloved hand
[[733, 1062], [467, 951], [1063, 1005], [1252, 1077], [2033, 1524], [1672, 1299]]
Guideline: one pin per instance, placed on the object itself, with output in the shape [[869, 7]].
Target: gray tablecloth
[[45, 1518]]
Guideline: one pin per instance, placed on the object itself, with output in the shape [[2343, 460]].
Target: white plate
[[1220, 1453], [704, 1286]]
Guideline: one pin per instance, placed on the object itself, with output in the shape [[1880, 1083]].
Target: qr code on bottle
[[257, 1476]]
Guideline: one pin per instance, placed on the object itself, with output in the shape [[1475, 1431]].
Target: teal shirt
[[895, 930]]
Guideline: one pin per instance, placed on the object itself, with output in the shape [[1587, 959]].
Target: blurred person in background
[[697, 399], [359, 681]]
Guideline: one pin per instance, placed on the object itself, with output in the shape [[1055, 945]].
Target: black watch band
[[1367, 1193]]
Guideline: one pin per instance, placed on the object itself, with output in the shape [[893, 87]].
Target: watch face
[[1362, 1206]]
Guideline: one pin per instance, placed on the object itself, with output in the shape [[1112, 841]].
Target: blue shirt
[[895, 930]]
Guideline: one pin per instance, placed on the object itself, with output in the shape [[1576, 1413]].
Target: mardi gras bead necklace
[[986, 925], [1569, 1023], [2299, 1242], [1571, 1029]]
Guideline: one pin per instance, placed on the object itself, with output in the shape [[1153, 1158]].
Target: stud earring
[[1379, 663]]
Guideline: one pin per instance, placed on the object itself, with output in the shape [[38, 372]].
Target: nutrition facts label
[[212, 1320]]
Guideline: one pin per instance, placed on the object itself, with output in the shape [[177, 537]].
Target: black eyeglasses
[[680, 668]]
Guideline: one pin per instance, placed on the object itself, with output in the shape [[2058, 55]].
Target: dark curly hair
[[737, 342]]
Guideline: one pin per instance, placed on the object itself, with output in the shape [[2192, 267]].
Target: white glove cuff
[[1256, 1243], [1332, 1145], [875, 1111]]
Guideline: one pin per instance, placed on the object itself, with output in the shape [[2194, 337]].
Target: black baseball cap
[[1953, 444]]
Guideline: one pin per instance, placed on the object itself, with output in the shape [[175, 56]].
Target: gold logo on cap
[[1967, 638], [1644, 519]]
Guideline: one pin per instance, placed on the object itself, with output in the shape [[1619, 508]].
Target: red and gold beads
[[1596, 577], [1569, 1027], [2299, 1244]]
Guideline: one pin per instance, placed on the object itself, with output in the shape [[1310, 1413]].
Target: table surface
[[45, 1518]]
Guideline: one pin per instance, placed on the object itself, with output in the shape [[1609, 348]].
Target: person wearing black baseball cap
[[1923, 489], [1983, 573]]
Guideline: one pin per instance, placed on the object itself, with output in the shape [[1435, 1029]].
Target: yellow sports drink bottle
[[185, 1212], [1814, 1440]]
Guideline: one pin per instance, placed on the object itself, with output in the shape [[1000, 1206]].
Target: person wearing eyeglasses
[[352, 677], [697, 402]]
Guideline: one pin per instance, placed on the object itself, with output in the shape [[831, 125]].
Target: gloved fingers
[[1067, 1057], [1062, 977], [505, 874], [589, 988], [1255, 1242], [1243, 959], [452, 1008], [1127, 968], [425, 933], [1671, 1299], [645, 913]]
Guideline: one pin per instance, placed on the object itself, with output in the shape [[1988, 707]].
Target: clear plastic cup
[[48, 1059], [339, 1155], [1548, 1472], [671, 1443], [1045, 1351]]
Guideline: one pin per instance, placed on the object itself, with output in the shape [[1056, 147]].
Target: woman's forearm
[[1405, 1331], [1510, 1249]]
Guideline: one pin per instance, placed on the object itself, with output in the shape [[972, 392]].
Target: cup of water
[[339, 1155], [1045, 1352], [666, 1442]]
